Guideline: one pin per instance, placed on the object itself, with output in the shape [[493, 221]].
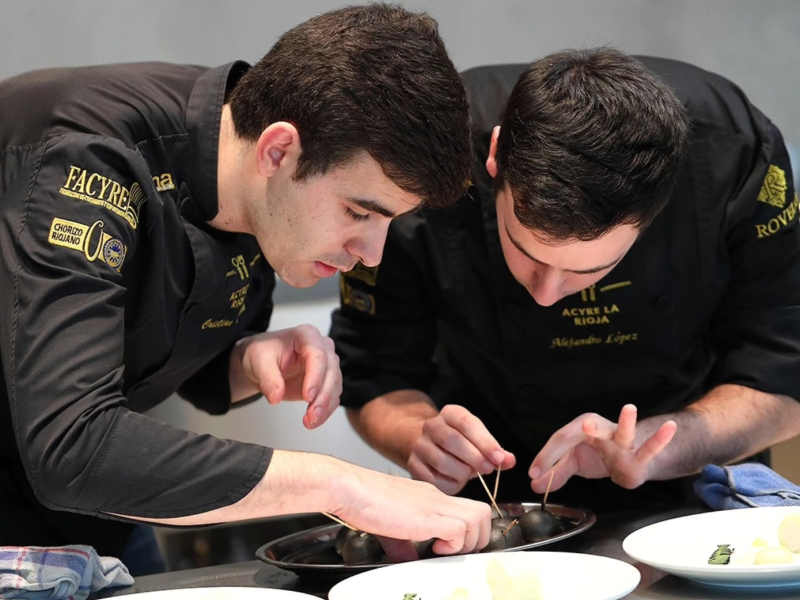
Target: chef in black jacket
[[630, 242], [144, 212]]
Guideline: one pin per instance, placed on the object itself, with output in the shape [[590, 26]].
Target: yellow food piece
[[789, 532], [513, 577], [773, 556], [760, 543]]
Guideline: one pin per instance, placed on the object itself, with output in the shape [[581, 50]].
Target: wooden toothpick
[[496, 484], [488, 493], [507, 529], [338, 520], [547, 491]]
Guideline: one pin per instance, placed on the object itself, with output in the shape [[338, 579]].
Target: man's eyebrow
[[372, 206], [581, 272]]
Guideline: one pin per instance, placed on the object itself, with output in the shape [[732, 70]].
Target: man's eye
[[356, 216]]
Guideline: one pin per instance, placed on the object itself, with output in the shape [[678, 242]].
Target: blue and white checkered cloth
[[62, 573], [745, 486]]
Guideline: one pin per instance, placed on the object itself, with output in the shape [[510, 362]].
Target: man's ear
[[491, 162], [278, 147]]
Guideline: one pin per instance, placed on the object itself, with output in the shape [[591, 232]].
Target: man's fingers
[[562, 471], [625, 435], [656, 443], [397, 550], [327, 399], [442, 462], [270, 380], [561, 442], [475, 445]]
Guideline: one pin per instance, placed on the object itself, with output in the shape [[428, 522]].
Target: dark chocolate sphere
[[538, 525], [344, 534], [362, 549]]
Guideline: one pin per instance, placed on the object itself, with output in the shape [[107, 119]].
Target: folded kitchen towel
[[34, 573], [745, 486]]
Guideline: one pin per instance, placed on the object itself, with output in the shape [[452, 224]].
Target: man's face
[[314, 228], [552, 270]]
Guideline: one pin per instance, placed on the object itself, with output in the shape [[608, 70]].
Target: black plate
[[311, 552]]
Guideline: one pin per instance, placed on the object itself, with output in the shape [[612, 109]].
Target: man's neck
[[230, 171]]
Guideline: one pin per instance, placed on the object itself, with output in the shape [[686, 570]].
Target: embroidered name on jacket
[[103, 191], [90, 240]]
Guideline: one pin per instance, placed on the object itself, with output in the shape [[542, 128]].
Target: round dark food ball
[[502, 522], [344, 534], [538, 525], [425, 548], [497, 541], [362, 549], [513, 535]]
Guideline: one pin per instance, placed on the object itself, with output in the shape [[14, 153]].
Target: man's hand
[[594, 447], [402, 509], [453, 446], [291, 364]]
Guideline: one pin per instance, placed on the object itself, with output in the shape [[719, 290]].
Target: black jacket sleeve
[[757, 327], [385, 328], [209, 389], [63, 288]]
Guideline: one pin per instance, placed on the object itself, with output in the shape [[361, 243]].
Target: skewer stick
[[547, 491], [338, 520], [496, 484], [507, 529], [488, 493]]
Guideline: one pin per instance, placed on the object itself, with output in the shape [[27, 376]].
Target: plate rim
[[633, 572], [739, 576]]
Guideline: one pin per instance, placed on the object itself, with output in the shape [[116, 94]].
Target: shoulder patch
[[89, 240], [773, 190], [366, 274], [103, 191]]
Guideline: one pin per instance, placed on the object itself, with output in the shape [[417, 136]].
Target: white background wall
[[755, 43]]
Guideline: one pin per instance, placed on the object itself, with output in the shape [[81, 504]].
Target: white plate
[[564, 576], [683, 546], [225, 593]]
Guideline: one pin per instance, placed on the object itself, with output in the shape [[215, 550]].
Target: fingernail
[[498, 458], [317, 412], [312, 393], [534, 473]]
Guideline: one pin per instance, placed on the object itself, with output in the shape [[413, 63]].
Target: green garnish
[[720, 556]]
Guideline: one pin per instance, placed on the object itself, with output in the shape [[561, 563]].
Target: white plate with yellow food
[[748, 547], [531, 575]]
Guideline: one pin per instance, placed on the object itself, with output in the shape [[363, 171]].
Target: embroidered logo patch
[[366, 274], [103, 191], [90, 240], [773, 190]]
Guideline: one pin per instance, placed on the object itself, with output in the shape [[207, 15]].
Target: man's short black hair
[[590, 140], [373, 78]]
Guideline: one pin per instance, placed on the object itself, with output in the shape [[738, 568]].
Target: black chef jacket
[[115, 293], [709, 294]]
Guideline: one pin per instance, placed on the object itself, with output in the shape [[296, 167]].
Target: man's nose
[[369, 249], [546, 285]]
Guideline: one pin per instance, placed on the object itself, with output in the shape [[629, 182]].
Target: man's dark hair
[[590, 140], [373, 78]]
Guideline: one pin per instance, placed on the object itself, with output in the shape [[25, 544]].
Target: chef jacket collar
[[203, 116]]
